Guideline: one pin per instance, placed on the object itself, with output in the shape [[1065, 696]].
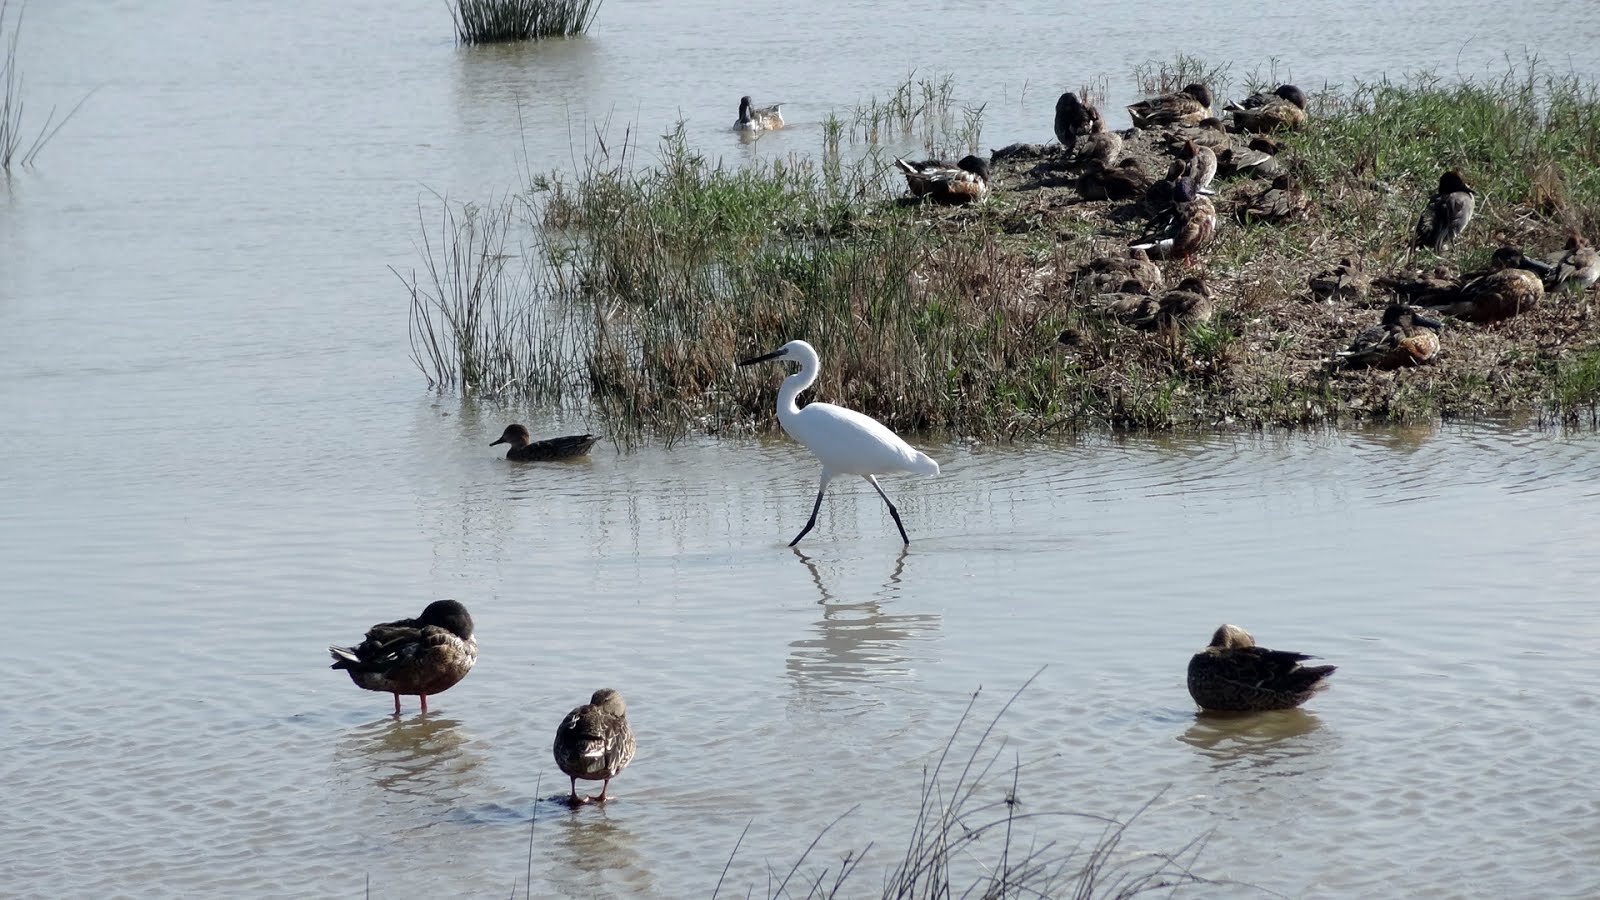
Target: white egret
[[843, 440]]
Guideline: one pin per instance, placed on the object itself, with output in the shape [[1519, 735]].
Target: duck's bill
[[773, 355], [501, 441], [1536, 265], [1426, 322]]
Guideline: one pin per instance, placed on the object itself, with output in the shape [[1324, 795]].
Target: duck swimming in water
[[1234, 675], [753, 118], [524, 449]]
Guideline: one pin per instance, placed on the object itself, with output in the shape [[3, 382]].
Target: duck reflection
[[423, 757], [1278, 740], [856, 639], [592, 855]]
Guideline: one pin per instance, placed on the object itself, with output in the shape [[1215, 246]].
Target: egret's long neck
[[793, 387]]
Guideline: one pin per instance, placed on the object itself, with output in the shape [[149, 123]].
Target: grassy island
[[642, 284]]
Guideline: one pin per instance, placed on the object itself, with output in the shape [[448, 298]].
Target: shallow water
[[219, 459]]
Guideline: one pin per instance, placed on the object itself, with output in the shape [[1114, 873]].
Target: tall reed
[[475, 320], [498, 21], [11, 106], [969, 837]]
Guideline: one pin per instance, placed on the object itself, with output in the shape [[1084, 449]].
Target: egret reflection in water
[[858, 639]]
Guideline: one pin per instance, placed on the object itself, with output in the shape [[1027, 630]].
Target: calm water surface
[[218, 459]]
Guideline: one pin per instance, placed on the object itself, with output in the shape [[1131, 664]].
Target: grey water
[[218, 458]]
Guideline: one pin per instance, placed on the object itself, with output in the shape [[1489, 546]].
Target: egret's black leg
[[812, 522], [893, 513]]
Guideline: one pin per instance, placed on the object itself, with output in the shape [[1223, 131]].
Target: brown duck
[[1184, 306], [1577, 268], [1346, 280], [1512, 285], [1075, 119], [1110, 272], [595, 742], [1282, 109], [1404, 337], [421, 656], [1234, 675], [1278, 202], [1193, 223], [1447, 213], [1189, 105], [966, 181], [1126, 180], [1130, 303], [522, 448]]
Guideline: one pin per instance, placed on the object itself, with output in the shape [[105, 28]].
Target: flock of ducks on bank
[[1203, 147], [434, 651]]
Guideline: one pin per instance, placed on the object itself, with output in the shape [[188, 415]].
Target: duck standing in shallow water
[[1187, 106], [595, 743], [421, 656], [1403, 338], [1234, 675], [522, 448], [753, 118], [1447, 213]]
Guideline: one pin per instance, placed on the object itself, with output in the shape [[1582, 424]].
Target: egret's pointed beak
[[1426, 322], [773, 355]]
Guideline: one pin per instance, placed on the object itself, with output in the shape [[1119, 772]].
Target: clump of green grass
[[1526, 141], [917, 107], [1577, 388], [1168, 76], [680, 269], [499, 21], [969, 838], [12, 135]]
